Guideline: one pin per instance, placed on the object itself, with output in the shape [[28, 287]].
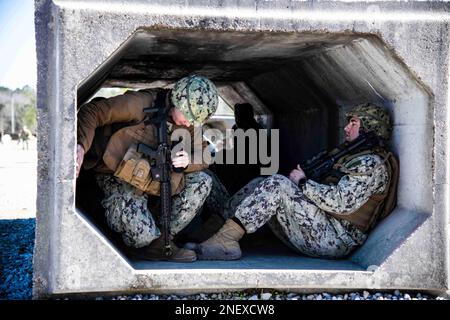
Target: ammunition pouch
[[136, 170]]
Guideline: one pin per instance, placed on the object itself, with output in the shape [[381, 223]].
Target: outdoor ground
[[18, 173]]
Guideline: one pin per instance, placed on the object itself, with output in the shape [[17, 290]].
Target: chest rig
[[379, 205]]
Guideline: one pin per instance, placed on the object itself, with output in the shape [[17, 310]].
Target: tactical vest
[[134, 168], [379, 205]]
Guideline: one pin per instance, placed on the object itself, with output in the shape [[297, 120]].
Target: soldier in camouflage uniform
[[192, 100], [311, 217]]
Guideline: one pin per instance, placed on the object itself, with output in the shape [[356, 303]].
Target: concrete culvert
[[301, 78]]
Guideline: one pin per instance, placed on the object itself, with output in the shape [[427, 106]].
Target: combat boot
[[223, 245], [155, 252], [204, 232]]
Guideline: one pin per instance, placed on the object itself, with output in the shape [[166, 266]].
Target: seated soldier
[[317, 219]]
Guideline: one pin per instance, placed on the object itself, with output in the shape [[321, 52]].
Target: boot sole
[[140, 257], [168, 260], [219, 257]]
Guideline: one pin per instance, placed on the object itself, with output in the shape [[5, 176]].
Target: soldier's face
[[352, 129], [179, 118]]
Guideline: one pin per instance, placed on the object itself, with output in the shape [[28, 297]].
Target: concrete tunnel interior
[[301, 84]]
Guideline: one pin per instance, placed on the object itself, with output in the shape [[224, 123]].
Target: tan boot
[[204, 232], [155, 252], [223, 245]]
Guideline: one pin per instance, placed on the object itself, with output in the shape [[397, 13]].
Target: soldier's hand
[[296, 175], [80, 158], [181, 159]]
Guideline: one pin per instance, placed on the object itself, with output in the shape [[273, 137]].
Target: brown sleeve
[[123, 108]]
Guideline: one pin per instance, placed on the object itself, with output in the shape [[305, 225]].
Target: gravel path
[[16, 249]]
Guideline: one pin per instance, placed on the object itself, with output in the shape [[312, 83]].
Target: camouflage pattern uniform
[[127, 212], [230, 206], [301, 218], [218, 197], [219, 200]]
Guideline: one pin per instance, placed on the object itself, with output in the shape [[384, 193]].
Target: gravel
[[274, 295], [16, 250]]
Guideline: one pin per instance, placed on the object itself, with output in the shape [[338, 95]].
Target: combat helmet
[[196, 97], [373, 118]]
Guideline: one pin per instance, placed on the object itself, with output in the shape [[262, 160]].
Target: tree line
[[17, 109]]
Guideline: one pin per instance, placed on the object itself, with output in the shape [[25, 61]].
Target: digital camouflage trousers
[[293, 218], [128, 213], [218, 197]]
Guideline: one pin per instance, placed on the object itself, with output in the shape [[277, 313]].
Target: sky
[[17, 44]]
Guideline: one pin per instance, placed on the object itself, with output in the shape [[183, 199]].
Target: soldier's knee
[[256, 181], [206, 177], [278, 178], [205, 180]]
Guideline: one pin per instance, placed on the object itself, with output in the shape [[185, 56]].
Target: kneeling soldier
[[109, 129]]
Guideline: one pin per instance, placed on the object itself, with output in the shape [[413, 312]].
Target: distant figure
[[24, 136], [1, 136], [240, 174], [245, 117]]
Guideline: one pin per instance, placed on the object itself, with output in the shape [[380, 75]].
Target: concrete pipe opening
[[301, 84]]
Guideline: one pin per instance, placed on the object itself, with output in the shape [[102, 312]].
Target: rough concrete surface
[[393, 53], [17, 235]]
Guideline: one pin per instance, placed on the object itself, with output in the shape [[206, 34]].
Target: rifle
[[161, 163], [321, 166]]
